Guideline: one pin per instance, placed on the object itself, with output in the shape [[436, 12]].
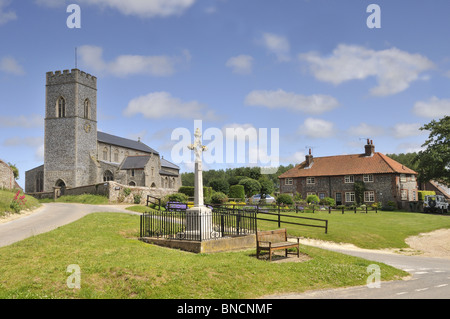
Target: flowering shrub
[[18, 203]]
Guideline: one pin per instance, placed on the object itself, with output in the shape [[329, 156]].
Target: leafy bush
[[219, 198], [391, 205], [137, 198], [284, 199], [190, 190], [251, 186], [177, 197], [312, 199], [220, 185], [328, 201], [126, 191], [237, 191], [18, 203]]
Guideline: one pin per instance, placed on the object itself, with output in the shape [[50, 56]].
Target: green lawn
[[385, 229], [114, 264]]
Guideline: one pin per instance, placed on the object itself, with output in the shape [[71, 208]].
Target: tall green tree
[[434, 161]]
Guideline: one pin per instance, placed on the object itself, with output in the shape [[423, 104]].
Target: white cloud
[[313, 104], [364, 130], [241, 64], [32, 121], [11, 66], [297, 157], [394, 69], [27, 141], [161, 104], [402, 130], [433, 108], [317, 128], [399, 130], [124, 65], [409, 148], [140, 8], [278, 45], [6, 16]]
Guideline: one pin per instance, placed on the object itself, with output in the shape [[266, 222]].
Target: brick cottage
[[334, 176]]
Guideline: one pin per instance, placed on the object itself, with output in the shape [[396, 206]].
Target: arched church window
[[108, 176], [105, 154], [116, 156], [87, 108], [61, 107]]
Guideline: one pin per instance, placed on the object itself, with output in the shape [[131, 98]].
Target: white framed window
[[349, 197], [310, 180], [413, 194], [310, 193], [349, 179], [403, 178], [321, 195], [288, 181], [368, 178], [369, 196], [413, 178]]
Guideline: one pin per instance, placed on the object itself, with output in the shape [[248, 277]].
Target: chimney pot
[[369, 148]]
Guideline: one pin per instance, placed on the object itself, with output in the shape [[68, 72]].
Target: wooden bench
[[272, 240]]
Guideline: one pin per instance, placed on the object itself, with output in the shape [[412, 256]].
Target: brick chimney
[[309, 159], [369, 148]]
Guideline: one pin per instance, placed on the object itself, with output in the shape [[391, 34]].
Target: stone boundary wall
[[113, 190]]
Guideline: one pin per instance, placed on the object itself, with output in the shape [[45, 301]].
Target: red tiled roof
[[348, 165]]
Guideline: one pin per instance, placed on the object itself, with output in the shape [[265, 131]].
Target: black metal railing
[[192, 226]]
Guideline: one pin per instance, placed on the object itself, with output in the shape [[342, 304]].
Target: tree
[[237, 191], [251, 186], [15, 170], [266, 186], [434, 161], [359, 188], [220, 185]]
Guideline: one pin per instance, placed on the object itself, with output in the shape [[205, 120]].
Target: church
[[76, 154]]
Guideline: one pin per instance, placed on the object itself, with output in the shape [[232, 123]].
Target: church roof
[[124, 142], [167, 164], [135, 162]]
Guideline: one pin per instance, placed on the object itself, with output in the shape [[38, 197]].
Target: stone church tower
[[70, 128], [77, 155]]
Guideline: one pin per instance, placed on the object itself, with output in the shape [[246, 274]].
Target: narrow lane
[[49, 217]]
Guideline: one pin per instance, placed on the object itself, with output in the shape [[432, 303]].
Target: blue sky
[[313, 70]]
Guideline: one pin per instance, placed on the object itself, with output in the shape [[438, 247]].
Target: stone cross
[[198, 148]]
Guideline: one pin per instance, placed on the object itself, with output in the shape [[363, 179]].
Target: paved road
[[49, 217], [430, 279]]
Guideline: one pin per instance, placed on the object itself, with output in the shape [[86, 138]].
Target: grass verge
[[372, 231], [114, 264], [80, 199], [6, 197]]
